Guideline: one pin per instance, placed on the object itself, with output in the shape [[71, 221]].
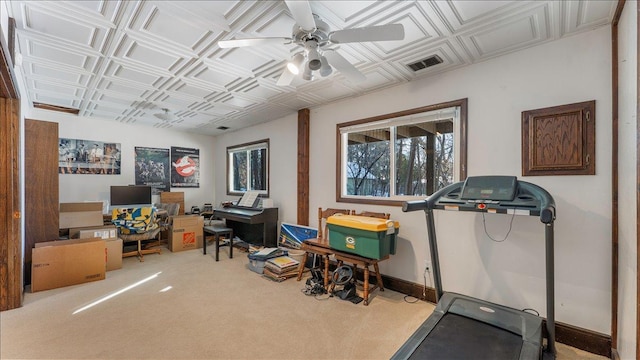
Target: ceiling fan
[[165, 115], [314, 37]]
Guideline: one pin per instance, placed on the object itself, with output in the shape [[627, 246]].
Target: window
[[248, 168], [396, 157]]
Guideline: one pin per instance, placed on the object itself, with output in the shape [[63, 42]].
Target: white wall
[[283, 160], [512, 272], [627, 192], [85, 187]]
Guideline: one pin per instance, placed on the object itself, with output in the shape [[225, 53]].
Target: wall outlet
[[427, 265]]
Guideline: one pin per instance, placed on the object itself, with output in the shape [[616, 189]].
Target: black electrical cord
[[484, 224]]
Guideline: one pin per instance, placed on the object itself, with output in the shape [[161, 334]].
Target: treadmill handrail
[[547, 203], [547, 216]]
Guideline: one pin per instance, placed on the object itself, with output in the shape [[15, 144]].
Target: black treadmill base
[[459, 337]]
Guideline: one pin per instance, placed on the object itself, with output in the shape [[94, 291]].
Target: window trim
[[462, 103], [248, 146]]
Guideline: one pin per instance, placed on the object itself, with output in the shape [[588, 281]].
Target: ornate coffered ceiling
[[128, 60]]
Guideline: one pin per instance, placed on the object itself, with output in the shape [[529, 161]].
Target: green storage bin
[[362, 235]]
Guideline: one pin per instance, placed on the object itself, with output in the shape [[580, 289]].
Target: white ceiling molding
[[124, 60]]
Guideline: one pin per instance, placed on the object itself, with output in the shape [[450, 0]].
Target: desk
[[322, 248]]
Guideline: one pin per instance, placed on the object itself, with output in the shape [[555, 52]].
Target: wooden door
[[41, 186]]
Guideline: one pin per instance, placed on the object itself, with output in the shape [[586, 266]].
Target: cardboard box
[[185, 232], [114, 254], [67, 262], [108, 233], [73, 215]]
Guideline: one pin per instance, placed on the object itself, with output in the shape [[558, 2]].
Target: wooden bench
[[321, 247]]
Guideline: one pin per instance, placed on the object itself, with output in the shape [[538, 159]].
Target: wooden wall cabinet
[[559, 140]]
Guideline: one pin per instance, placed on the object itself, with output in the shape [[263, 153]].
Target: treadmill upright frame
[[529, 199]]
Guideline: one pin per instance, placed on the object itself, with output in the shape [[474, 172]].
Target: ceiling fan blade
[[286, 78], [301, 12], [225, 44], [343, 66], [371, 33]]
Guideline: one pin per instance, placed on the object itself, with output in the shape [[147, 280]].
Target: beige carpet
[[187, 306]]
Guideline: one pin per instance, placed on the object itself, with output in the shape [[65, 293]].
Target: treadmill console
[[494, 194], [489, 188]]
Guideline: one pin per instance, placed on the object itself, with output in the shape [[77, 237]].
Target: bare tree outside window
[[411, 155], [248, 168]]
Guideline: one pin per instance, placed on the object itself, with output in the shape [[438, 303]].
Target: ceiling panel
[[126, 60], [518, 31]]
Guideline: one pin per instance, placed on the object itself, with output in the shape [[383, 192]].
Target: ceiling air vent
[[222, 127], [425, 63]]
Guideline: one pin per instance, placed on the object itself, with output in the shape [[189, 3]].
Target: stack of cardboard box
[[91, 250]]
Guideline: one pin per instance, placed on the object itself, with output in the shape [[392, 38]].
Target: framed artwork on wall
[[185, 167], [152, 168], [80, 156]]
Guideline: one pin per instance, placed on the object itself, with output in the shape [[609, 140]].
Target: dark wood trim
[[62, 109], [11, 35], [579, 338], [614, 177], [464, 110], [303, 166], [11, 290], [614, 190], [583, 339], [11, 294], [8, 84], [408, 288], [462, 103], [615, 355], [637, 188]]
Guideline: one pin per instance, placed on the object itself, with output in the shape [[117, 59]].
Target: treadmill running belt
[[459, 337]]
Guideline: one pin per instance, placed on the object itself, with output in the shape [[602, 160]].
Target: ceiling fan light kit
[[313, 58], [164, 115], [295, 64], [325, 69], [307, 74], [313, 35]]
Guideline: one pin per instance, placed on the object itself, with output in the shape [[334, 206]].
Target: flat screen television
[[128, 196]]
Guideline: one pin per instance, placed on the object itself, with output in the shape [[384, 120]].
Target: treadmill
[[463, 327]]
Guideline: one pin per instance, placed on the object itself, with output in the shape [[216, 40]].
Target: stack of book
[[281, 268]]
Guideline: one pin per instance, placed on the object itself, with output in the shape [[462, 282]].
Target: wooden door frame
[[614, 190], [11, 289]]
